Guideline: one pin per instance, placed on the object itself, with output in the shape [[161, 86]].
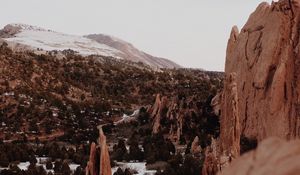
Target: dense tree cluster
[[157, 148], [182, 166], [58, 157], [60, 168], [15, 152]]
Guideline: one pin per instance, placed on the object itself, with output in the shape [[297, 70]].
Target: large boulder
[[272, 157]]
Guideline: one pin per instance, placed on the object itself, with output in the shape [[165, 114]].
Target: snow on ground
[[140, 167], [41, 161], [73, 166], [49, 40], [24, 166], [128, 118]]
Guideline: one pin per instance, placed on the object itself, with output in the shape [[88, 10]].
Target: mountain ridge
[[28, 37]]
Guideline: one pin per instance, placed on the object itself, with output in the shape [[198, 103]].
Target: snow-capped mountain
[[97, 44]]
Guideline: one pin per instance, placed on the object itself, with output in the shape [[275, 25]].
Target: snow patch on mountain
[[49, 40], [24, 37]]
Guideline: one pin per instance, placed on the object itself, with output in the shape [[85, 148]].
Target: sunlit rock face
[[261, 95], [264, 56], [99, 160]]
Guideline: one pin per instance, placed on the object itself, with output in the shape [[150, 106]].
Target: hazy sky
[[193, 33]]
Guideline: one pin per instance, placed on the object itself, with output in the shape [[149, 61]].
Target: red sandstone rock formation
[[91, 168], [172, 110], [211, 164], [227, 147], [265, 58], [261, 95], [99, 161], [105, 168], [157, 112], [272, 157], [230, 122]]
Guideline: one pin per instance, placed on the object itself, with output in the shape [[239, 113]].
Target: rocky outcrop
[[196, 147], [182, 118], [158, 112], [91, 165], [170, 114], [99, 160], [261, 95], [105, 168], [222, 151], [230, 122], [9, 31], [211, 163], [264, 57], [272, 157]]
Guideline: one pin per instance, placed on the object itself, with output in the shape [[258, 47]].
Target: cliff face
[[261, 95], [264, 56], [272, 157], [99, 160]]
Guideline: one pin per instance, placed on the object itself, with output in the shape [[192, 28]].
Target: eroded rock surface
[[272, 157], [182, 118], [261, 95], [264, 56], [171, 110], [99, 160], [230, 120]]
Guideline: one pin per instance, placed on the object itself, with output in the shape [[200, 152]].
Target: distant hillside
[[27, 37], [41, 94]]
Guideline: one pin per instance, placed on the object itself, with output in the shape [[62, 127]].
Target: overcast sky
[[193, 33]]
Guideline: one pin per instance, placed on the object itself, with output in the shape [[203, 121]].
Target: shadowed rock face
[[272, 157], [182, 118], [169, 109], [265, 58], [99, 161]]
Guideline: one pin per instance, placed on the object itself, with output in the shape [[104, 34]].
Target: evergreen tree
[[4, 162], [65, 169]]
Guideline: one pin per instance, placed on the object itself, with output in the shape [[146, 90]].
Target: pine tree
[[4, 162]]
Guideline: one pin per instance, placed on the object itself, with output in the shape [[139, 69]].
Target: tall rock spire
[[99, 161]]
